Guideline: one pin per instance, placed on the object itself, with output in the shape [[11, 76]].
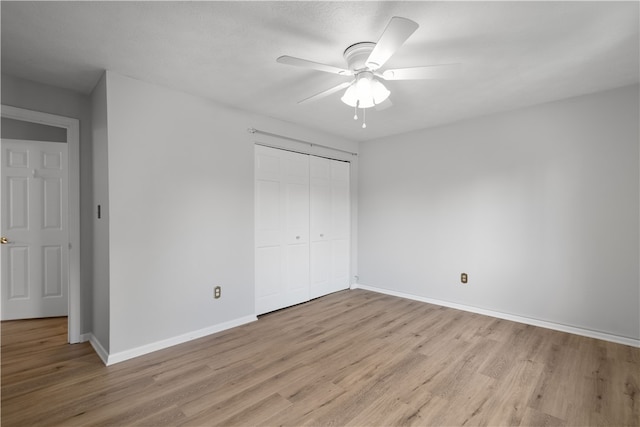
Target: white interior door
[[330, 230], [35, 249], [281, 228]]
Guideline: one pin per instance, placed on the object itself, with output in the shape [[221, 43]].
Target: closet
[[302, 227]]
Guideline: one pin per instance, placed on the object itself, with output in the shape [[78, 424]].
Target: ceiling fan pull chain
[[355, 116], [364, 118]]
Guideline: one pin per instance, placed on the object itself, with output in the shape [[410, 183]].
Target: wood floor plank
[[533, 417], [350, 358], [386, 411], [312, 396], [508, 403]]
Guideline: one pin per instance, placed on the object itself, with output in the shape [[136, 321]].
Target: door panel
[[340, 196], [18, 272], [297, 213], [320, 263], [52, 266], [340, 263], [35, 222], [282, 228], [297, 268], [320, 226], [267, 215], [52, 198], [268, 263], [18, 203], [330, 226]]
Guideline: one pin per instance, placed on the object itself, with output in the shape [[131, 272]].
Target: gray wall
[[30, 95], [180, 211], [539, 206], [100, 248]]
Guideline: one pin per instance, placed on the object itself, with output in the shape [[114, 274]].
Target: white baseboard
[[520, 319], [102, 353], [169, 342], [85, 337]]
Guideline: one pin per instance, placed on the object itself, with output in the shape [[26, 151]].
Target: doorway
[[72, 262]]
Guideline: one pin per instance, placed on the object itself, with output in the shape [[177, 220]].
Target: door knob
[[4, 240]]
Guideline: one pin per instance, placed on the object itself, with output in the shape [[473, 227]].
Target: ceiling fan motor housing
[[357, 54]]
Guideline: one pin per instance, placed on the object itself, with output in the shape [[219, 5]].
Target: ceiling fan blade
[[290, 60], [445, 71], [325, 93], [397, 32], [384, 105]]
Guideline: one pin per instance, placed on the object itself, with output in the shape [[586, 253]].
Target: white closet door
[[321, 219], [282, 228], [330, 230]]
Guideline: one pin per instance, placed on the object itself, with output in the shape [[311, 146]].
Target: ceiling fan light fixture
[[363, 85], [365, 92], [380, 92], [366, 102], [350, 96]]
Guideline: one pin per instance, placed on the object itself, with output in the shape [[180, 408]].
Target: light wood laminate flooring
[[353, 358]]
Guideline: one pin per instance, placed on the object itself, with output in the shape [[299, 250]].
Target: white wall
[[539, 206], [180, 183], [34, 96]]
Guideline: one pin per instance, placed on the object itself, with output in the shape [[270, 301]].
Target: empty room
[[289, 213]]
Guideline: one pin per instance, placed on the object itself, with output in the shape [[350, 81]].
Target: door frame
[[73, 148]]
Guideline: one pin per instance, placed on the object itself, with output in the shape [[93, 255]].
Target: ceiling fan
[[364, 63]]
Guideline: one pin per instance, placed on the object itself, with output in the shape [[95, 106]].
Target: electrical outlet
[[217, 292], [464, 278]]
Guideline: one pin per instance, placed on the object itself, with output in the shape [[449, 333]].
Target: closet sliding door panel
[[330, 230], [281, 228], [321, 245], [341, 224]]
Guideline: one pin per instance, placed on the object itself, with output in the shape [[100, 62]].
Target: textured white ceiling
[[513, 54]]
